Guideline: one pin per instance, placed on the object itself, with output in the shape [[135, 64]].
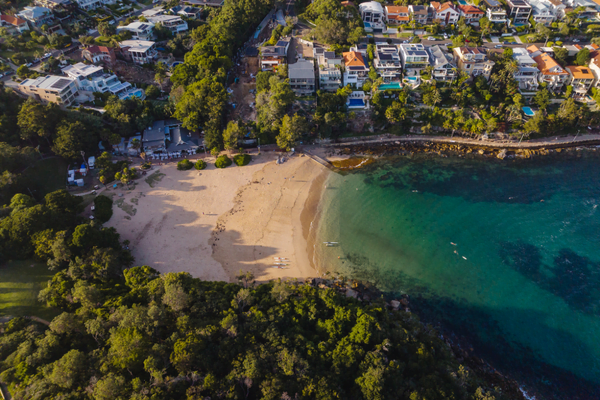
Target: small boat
[[464, 257], [281, 258], [453, 244], [281, 264], [278, 267]]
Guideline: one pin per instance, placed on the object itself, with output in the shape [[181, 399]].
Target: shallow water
[[504, 252]]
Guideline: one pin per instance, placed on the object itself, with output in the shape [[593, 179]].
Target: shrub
[[242, 159], [200, 164], [559, 43], [184, 165], [103, 210], [146, 165], [223, 161]]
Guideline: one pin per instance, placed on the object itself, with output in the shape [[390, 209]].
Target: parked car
[[29, 65], [498, 46], [445, 36], [9, 72], [431, 38], [1, 76], [576, 40]]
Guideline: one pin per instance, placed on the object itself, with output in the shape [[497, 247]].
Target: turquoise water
[[391, 86], [505, 253]]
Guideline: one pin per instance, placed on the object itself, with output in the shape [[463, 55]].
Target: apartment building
[[542, 12], [419, 14], [99, 54], [37, 16], [273, 56], [414, 58], [470, 13], [139, 30], [13, 25], [173, 23], [444, 13], [551, 72], [582, 79], [139, 51], [520, 11], [373, 16], [91, 79], [356, 69], [473, 61], [50, 89], [495, 11], [527, 74], [388, 64], [329, 69], [595, 67], [397, 15], [302, 77], [444, 67]]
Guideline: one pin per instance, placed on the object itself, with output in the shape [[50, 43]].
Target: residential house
[[542, 12], [470, 13], [473, 61], [173, 23], [273, 56], [373, 16], [356, 69], [357, 100], [527, 74], [329, 69], [581, 78], [99, 54], [445, 13], [154, 139], [302, 77], [495, 11], [418, 13], [595, 67], [520, 11], [388, 64], [50, 89], [190, 12], [590, 8], [181, 139], [139, 51], [444, 67], [13, 25], [551, 72], [92, 79], [52, 4], [414, 58], [558, 7], [37, 16], [153, 12], [89, 4], [139, 30], [360, 48], [397, 15]]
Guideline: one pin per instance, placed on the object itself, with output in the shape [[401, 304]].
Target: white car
[[431, 38], [575, 40], [445, 36]]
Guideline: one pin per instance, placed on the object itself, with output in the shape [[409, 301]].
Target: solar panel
[[330, 54], [352, 68], [385, 56], [61, 83], [584, 70]]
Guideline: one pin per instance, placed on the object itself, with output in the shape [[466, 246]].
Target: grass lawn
[[20, 282], [46, 176], [405, 34], [102, 41]]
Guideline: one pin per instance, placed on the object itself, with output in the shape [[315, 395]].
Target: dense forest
[[129, 333]]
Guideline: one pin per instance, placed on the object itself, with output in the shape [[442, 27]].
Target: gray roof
[[440, 57], [159, 131], [182, 139], [303, 69]]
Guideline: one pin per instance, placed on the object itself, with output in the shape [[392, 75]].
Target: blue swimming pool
[[462, 2], [356, 103], [367, 24], [528, 111], [390, 86], [412, 78]]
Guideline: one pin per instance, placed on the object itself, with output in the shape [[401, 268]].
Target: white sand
[[174, 225]]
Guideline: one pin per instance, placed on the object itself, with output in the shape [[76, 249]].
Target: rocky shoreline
[[408, 148]]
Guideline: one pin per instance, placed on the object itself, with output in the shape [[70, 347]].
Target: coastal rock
[[481, 151], [395, 304], [502, 154], [351, 293]]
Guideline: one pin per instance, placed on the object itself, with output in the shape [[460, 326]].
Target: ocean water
[[504, 253]]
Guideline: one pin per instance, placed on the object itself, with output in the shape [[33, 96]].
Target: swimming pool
[[528, 111], [392, 85], [356, 103], [412, 78], [367, 24], [462, 2]]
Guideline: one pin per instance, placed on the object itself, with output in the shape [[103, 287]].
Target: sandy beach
[[214, 222]]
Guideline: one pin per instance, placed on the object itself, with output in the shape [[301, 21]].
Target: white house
[[329, 69], [414, 58], [527, 74], [139, 51], [473, 61], [495, 11], [551, 72], [444, 68], [373, 16], [388, 64], [595, 67], [139, 30], [173, 23], [92, 78], [356, 69], [13, 25], [397, 15], [88, 4], [445, 13], [520, 11], [542, 12]]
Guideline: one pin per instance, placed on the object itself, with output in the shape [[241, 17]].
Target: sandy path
[[266, 223], [172, 226]]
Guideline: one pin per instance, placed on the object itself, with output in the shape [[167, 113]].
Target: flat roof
[[81, 69], [137, 45], [49, 82]]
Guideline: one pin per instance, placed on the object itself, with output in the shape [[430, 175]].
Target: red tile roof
[[468, 9], [12, 20]]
